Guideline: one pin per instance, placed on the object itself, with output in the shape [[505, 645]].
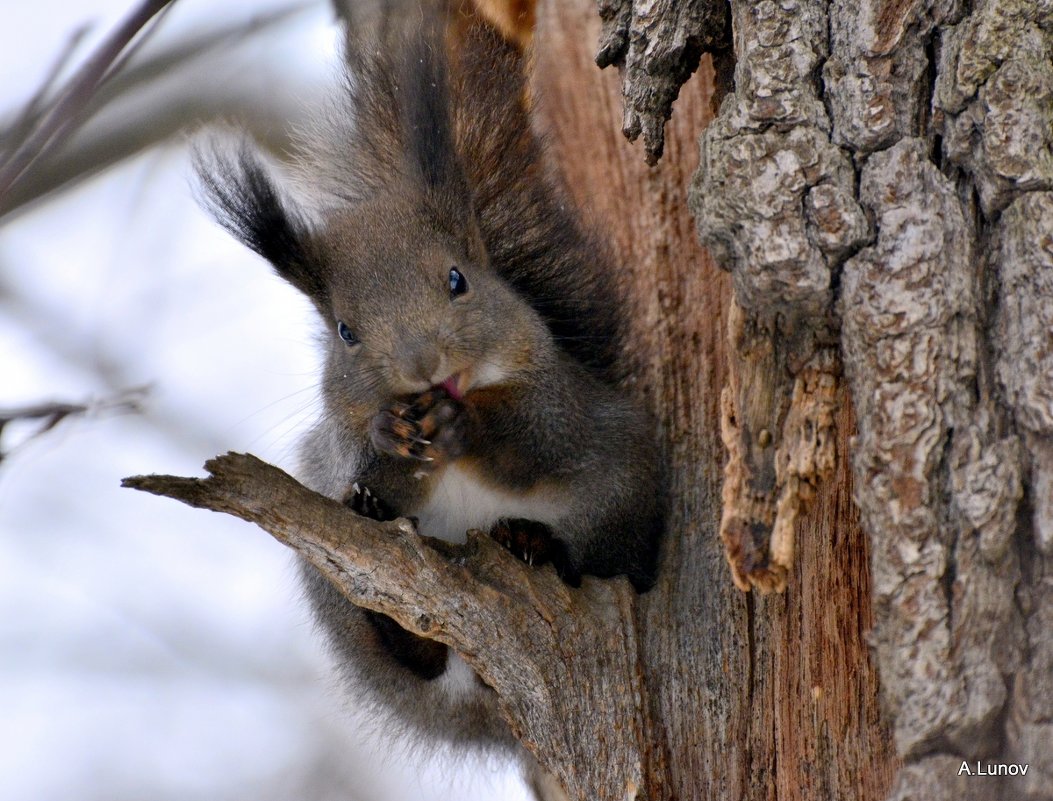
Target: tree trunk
[[896, 208], [876, 186], [761, 696]]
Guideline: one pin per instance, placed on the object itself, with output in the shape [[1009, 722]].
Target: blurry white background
[[148, 650]]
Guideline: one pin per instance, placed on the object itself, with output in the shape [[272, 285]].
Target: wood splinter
[[777, 425]]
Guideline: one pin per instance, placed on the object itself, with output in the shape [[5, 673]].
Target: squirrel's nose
[[420, 363]]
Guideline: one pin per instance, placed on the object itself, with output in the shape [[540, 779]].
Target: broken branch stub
[[564, 662], [656, 47]]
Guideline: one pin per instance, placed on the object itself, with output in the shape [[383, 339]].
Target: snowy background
[[148, 650]]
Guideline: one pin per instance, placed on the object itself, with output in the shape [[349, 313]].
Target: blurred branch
[[176, 55], [30, 114], [130, 401], [99, 363], [94, 140], [59, 119]]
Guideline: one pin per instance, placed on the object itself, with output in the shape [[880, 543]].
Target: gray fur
[[438, 168]]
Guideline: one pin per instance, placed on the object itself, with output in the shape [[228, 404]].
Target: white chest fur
[[459, 502]]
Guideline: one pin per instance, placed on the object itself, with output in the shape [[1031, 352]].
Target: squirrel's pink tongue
[[450, 385]]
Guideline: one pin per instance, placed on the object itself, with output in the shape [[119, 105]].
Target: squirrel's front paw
[[360, 499], [535, 544], [431, 428]]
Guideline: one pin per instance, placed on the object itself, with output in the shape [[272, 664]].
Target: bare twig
[[57, 121], [30, 113], [163, 60], [153, 109], [54, 412]]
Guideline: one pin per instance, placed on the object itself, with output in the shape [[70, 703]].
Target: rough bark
[[767, 697], [657, 45], [928, 255], [774, 200], [550, 651]]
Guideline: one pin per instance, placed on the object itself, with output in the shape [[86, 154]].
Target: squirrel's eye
[[458, 283], [346, 333]]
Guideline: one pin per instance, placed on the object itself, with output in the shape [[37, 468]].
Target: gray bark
[[657, 45], [551, 652], [899, 204]]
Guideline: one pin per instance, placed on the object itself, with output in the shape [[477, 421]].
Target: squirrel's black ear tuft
[[425, 100], [243, 198]]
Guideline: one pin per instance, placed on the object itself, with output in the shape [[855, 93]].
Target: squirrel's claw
[[535, 544], [361, 500], [432, 429]]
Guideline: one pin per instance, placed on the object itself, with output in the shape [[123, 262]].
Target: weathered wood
[[945, 326], [774, 200], [766, 697], [656, 45], [566, 663], [777, 426]]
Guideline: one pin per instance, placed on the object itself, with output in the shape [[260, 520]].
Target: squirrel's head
[[408, 299], [394, 261], [413, 304]]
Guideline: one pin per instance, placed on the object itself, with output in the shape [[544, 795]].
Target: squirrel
[[473, 336]]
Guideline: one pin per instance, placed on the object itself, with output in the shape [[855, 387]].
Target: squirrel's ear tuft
[[426, 102], [240, 193]]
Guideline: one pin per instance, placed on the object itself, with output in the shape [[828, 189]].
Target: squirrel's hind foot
[[361, 500], [535, 544]]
